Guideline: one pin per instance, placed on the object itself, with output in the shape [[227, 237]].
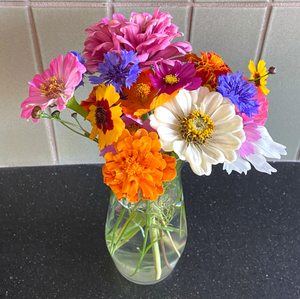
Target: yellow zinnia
[[260, 72], [105, 117]]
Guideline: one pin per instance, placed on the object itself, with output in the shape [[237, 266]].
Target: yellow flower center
[[54, 89], [171, 79], [196, 128], [141, 90]]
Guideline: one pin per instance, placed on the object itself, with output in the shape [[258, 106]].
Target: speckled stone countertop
[[243, 243]]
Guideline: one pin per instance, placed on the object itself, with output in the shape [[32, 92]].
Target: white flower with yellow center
[[200, 127]]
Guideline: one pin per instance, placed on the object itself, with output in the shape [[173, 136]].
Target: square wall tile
[[61, 30], [21, 142], [282, 50], [232, 33], [179, 15]]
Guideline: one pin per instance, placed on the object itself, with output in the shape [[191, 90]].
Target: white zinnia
[[264, 147], [200, 127]]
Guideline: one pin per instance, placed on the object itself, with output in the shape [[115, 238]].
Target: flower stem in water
[[154, 235]]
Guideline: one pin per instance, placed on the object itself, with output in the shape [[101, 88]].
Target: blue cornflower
[[82, 61], [240, 92], [118, 70]]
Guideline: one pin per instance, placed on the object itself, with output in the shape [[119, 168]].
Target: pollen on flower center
[[100, 115], [54, 89], [196, 128], [171, 79], [142, 90]]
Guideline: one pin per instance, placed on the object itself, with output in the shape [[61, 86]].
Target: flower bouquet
[[154, 105]]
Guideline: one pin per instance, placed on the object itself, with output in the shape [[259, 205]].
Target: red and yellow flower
[[138, 167], [105, 116]]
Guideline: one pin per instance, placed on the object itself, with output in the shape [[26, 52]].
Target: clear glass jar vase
[[146, 239]]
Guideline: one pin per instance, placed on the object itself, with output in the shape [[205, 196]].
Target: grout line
[[110, 9], [40, 69], [188, 21], [67, 4], [110, 4], [298, 153], [263, 33]]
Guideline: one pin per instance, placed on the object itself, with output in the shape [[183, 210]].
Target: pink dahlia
[[55, 85], [169, 78], [148, 36]]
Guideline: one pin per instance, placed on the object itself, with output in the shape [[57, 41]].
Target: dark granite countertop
[[243, 242]]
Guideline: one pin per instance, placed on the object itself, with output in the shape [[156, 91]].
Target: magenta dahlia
[[55, 86], [148, 36]]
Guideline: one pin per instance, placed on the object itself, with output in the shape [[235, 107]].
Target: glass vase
[[146, 239]]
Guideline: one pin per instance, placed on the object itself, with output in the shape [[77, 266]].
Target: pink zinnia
[[148, 36], [169, 78], [55, 85]]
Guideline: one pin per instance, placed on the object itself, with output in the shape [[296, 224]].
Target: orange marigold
[[141, 97], [138, 167], [209, 67]]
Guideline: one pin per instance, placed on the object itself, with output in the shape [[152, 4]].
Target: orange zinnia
[[141, 97], [209, 67], [138, 167]]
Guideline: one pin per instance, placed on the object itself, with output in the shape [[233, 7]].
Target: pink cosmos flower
[[252, 135], [255, 149], [132, 125], [172, 75], [55, 85], [148, 36]]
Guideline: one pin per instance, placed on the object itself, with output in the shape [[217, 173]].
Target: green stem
[[181, 217], [121, 232], [72, 104], [87, 135], [133, 233], [258, 78], [154, 235], [142, 253], [115, 228], [85, 131], [163, 250]]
